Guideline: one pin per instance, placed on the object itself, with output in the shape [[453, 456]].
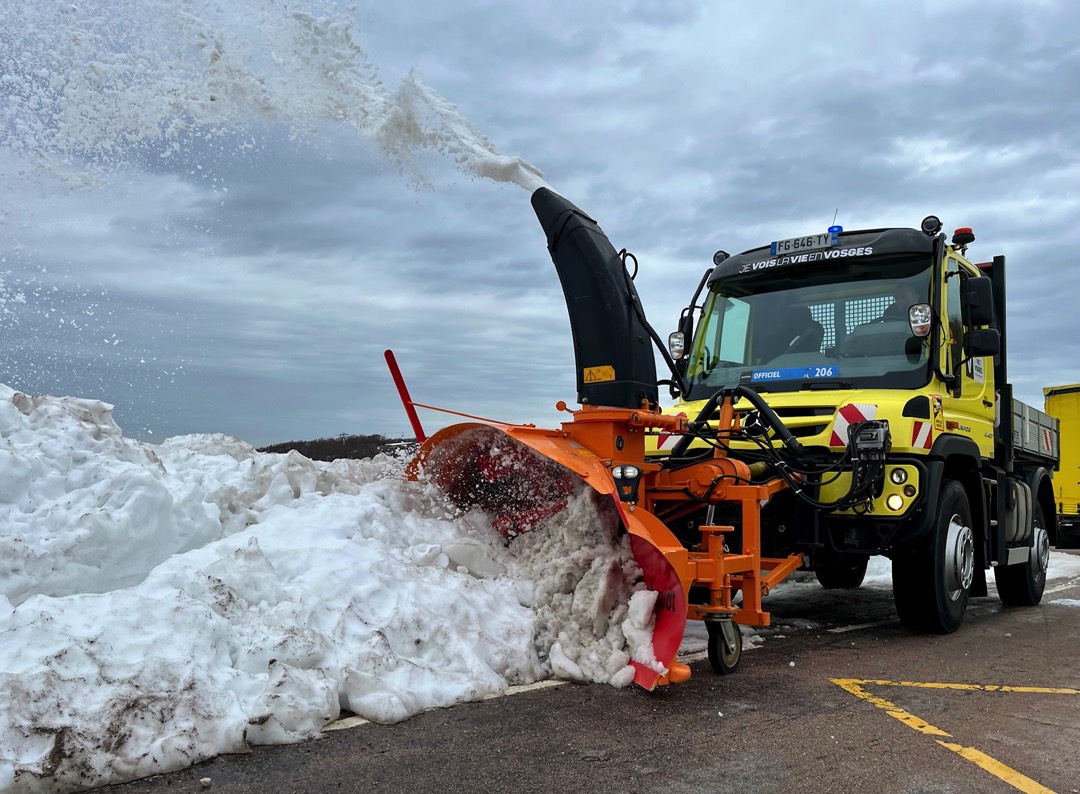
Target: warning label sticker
[[599, 374]]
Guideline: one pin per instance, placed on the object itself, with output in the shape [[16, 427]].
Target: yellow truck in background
[[1063, 403]]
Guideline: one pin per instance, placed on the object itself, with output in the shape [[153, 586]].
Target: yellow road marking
[[999, 770], [853, 685], [1038, 690], [354, 721]]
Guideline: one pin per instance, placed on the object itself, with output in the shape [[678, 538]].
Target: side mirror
[[982, 342], [686, 324], [678, 340], [977, 299]]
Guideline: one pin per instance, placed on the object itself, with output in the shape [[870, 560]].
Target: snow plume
[[161, 604], [86, 89], [9, 295]]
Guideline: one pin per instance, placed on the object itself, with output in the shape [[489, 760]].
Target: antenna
[[834, 216]]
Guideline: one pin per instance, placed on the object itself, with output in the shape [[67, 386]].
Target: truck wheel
[[1023, 585], [932, 577], [725, 645], [842, 573]]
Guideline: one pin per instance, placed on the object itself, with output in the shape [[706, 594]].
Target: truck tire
[[932, 576], [844, 572], [1023, 585]]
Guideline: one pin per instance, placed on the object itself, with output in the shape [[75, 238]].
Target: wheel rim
[[1041, 550], [959, 558], [725, 645], [729, 653]]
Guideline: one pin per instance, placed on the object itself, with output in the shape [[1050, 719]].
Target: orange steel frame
[[721, 479], [599, 438]]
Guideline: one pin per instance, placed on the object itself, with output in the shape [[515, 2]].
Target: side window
[[733, 341]]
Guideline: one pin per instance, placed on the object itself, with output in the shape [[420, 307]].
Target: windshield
[[814, 327]]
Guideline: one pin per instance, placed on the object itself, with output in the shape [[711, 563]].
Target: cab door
[[971, 412]]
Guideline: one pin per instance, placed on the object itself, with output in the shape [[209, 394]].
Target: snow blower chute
[[522, 475]]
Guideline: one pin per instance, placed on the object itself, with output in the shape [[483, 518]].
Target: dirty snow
[[161, 604]]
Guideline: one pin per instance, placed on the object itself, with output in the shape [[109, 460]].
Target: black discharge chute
[[612, 343]]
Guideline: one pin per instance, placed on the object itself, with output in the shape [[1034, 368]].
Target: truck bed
[[1035, 435]]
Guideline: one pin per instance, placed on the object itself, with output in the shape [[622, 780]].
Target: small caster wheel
[[725, 645]]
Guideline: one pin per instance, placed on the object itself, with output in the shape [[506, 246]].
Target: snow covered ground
[[162, 604]]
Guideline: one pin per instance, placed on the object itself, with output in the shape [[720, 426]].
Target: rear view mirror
[[982, 342], [977, 298]]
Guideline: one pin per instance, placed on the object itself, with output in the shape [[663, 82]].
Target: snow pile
[[163, 604], [100, 91], [592, 611]]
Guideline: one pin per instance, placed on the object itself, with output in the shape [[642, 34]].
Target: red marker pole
[[406, 400]]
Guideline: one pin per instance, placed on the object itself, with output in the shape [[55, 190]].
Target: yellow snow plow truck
[[839, 396], [883, 354]]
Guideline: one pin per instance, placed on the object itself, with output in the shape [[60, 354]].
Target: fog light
[[909, 490], [895, 502], [627, 479], [898, 476]]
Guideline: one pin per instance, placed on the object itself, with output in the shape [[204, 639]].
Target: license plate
[[796, 245]]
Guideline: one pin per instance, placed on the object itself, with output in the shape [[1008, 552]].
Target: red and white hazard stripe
[[1047, 440], [852, 412], [663, 438], [922, 436]]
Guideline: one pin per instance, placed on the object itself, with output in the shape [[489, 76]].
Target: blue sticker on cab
[[794, 373]]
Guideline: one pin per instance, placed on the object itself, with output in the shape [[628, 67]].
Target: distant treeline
[[344, 447]]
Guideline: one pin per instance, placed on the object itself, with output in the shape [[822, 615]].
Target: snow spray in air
[[95, 91], [107, 97]]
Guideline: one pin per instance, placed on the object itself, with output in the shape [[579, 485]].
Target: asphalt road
[[851, 704]]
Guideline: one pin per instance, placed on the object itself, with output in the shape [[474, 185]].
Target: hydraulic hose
[[640, 312], [771, 419]]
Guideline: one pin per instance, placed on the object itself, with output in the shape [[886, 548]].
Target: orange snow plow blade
[[522, 476]]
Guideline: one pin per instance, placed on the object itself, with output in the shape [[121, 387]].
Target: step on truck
[[884, 352], [838, 396]]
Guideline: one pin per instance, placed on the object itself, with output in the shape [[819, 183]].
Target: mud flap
[[522, 476]]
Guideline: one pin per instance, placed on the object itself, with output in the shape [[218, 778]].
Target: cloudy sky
[[206, 220]]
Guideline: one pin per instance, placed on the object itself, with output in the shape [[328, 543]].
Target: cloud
[[265, 263]]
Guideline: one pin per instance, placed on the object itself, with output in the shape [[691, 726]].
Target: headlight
[[898, 476], [895, 502]]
